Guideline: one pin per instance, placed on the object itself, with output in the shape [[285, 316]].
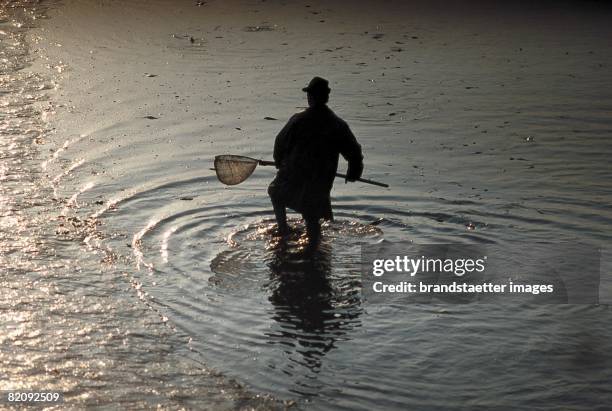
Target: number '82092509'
[[29, 396]]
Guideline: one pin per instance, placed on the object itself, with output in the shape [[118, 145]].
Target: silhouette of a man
[[306, 153]]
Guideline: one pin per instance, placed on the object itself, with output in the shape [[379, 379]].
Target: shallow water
[[491, 126]]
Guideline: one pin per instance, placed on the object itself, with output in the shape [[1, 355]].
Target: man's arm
[[281, 143], [351, 151]]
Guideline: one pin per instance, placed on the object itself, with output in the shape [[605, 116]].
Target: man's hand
[[354, 171]]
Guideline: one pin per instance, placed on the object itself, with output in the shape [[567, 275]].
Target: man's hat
[[317, 85]]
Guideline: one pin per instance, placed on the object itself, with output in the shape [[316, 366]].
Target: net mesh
[[232, 170]]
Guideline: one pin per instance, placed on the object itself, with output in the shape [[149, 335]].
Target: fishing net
[[232, 170]]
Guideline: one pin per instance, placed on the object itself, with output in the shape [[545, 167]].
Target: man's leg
[[280, 211], [313, 230]]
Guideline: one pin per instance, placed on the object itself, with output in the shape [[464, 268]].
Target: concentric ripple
[[277, 306]]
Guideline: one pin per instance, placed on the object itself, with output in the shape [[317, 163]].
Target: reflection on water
[[284, 306], [313, 313]]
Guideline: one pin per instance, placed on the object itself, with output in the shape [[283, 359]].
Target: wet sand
[[490, 123]]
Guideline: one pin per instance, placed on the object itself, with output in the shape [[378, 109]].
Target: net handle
[[363, 180]]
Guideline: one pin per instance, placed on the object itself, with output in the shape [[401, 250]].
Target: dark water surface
[[492, 126]]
